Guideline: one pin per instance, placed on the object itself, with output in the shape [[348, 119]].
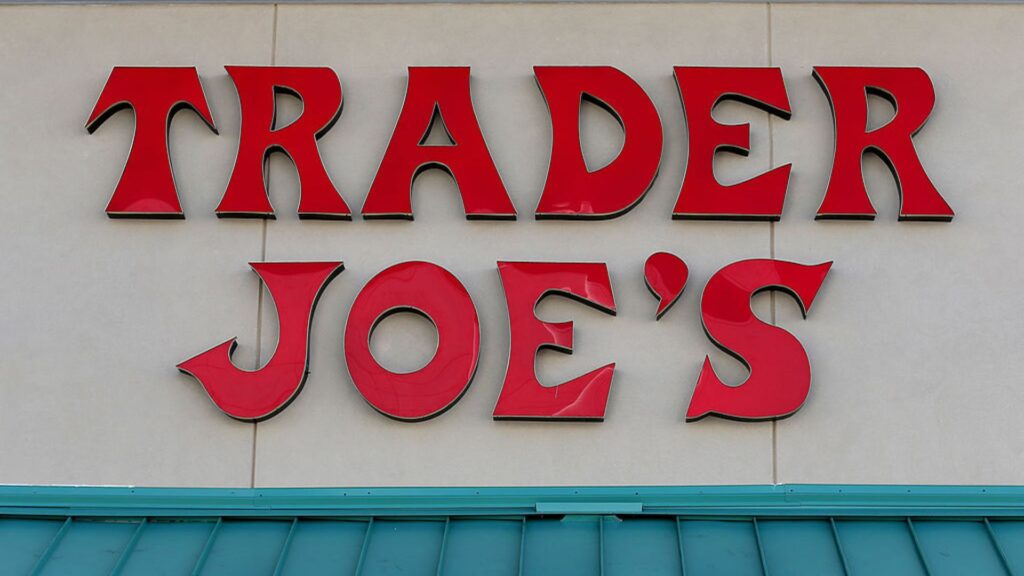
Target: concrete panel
[[95, 312], [330, 436], [915, 337]]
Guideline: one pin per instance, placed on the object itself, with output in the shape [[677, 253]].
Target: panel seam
[[263, 258], [771, 238]]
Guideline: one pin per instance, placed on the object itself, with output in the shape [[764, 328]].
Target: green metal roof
[[781, 530]]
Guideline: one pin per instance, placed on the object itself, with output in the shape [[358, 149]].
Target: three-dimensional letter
[[432, 291], [253, 396], [780, 373], [320, 92], [443, 92], [571, 190], [146, 188], [910, 92], [702, 196], [522, 395]]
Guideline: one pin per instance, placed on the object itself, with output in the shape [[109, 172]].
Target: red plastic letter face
[[446, 91], [252, 396], [522, 395], [320, 92], [571, 190], [910, 92], [665, 275], [780, 373], [434, 292], [702, 196], [146, 188]]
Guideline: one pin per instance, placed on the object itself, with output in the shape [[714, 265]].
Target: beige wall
[[914, 340]]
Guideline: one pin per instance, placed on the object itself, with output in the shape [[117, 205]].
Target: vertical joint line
[[273, 40], [444, 545], [775, 452], [999, 549], [917, 547], [600, 545], [679, 538], [771, 136], [45, 557], [263, 258], [259, 347], [366, 546], [760, 548], [252, 456], [768, 41], [522, 548], [201, 561], [128, 548], [839, 546], [771, 234], [283, 556]]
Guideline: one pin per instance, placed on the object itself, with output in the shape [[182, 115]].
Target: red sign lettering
[[146, 188], [295, 287], [522, 395], [780, 373], [910, 92], [780, 377], [443, 92], [702, 197], [435, 293], [665, 275], [320, 92], [571, 190]]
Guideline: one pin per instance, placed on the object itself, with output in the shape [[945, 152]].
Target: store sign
[[780, 376]]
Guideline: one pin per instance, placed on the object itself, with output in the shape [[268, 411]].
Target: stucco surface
[[97, 312], [916, 344], [912, 339]]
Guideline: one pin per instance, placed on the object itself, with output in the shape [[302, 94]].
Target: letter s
[[780, 373]]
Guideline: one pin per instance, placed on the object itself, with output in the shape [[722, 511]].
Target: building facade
[[904, 456]]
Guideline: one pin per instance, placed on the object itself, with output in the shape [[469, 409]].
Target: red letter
[[780, 373], [146, 188], [702, 196], [444, 91], [435, 293], [320, 92], [522, 395], [253, 396], [665, 275], [910, 92], [573, 192]]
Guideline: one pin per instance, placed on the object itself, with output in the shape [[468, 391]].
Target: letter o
[[432, 291]]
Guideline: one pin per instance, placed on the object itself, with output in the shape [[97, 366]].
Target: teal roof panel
[[566, 546], [23, 541], [879, 547], [1010, 537], [641, 546], [166, 547], [953, 548], [498, 542], [800, 547], [324, 547], [406, 547], [239, 546], [88, 546], [758, 531], [561, 547], [720, 547]]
